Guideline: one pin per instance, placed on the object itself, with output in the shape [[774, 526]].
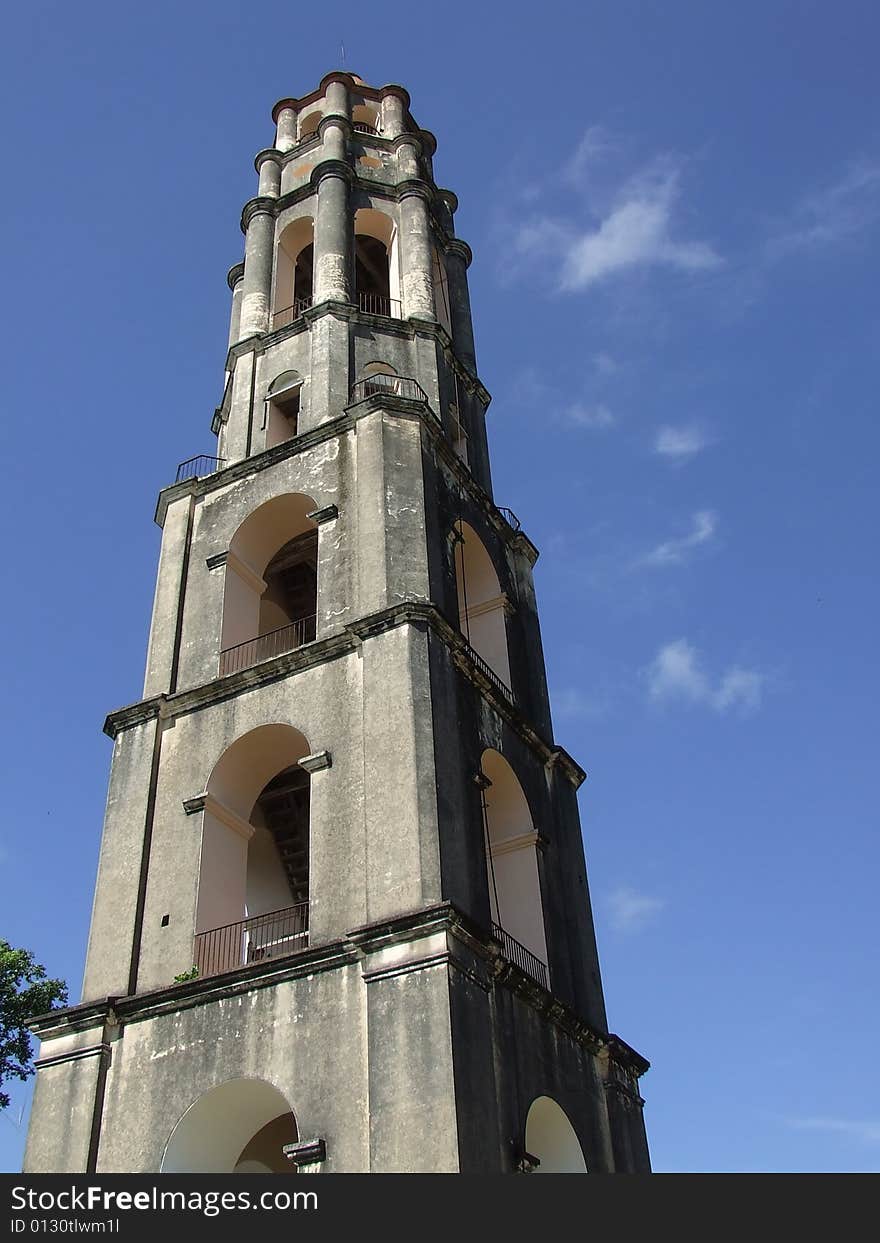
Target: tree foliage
[[25, 990]]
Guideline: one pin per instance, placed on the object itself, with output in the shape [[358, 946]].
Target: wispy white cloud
[[595, 144], [677, 673], [594, 417], [631, 911], [637, 232], [838, 211], [866, 1131], [636, 225], [679, 444], [704, 524]]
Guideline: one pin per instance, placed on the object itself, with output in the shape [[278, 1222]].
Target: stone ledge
[[418, 613], [348, 950]]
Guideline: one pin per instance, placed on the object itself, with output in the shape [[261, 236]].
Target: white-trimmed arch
[[294, 270], [512, 856], [251, 604], [241, 874], [481, 603], [371, 223], [552, 1139], [237, 1127]]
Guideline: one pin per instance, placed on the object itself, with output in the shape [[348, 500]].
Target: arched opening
[[254, 868], [294, 263], [239, 1127], [512, 865], [375, 260], [365, 118], [308, 125], [283, 404], [378, 378], [441, 291], [271, 591], [552, 1139], [481, 604]]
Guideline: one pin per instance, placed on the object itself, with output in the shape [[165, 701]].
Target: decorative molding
[[344, 642], [314, 763], [508, 845], [216, 560], [327, 514], [234, 275], [472, 940], [270, 153], [306, 1152], [73, 1055], [213, 807], [491, 606], [245, 572], [260, 206]]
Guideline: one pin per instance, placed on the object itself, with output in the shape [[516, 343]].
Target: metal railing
[[288, 314], [252, 940], [510, 518], [378, 304], [521, 957], [265, 646], [195, 467], [381, 385], [490, 673], [362, 127]]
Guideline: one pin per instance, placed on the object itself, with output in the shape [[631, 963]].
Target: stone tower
[[341, 919]]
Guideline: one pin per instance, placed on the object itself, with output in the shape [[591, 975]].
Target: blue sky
[[674, 211]]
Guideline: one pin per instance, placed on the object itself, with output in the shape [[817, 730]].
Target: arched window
[[377, 282], [512, 861], [552, 1139], [481, 605], [294, 262], [365, 118], [253, 889], [441, 291], [283, 403], [271, 588], [239, 1127], [308, 125], [378, 378]]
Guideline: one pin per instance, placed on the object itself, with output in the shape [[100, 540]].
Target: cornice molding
[[234, 275], [470, 947], [330, 168], [269, 153], [259, 206]]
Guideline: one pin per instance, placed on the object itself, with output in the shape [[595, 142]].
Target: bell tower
[[341, 920]]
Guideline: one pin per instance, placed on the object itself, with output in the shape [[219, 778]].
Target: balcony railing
[[388, 386], [253, 940], [490, 673], [378, 304], [195, 467], [288, 314], [510, 518], [521, 957], [275, 643], [361, 127]]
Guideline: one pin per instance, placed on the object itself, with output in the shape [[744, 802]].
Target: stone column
[[284, 116], [336, 96], [258, 220], [235, 283], [417, 274], [458, 258], [333, 233], [269, 168], [395, 105]]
